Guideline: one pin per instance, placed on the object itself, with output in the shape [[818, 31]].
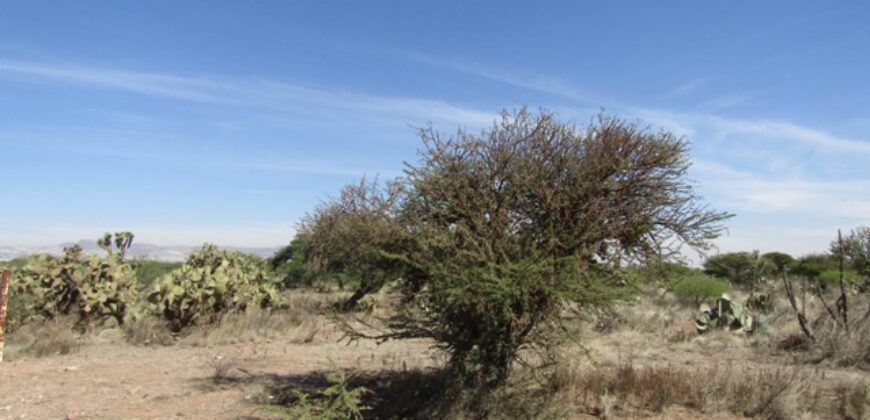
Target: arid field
[[646, 362]]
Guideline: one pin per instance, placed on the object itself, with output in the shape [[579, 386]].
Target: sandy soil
[[108, 378]]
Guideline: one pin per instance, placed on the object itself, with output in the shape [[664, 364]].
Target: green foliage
[[512, 227], [355, 235], [147, 271], [91, 288], [811, 266], [747, 268], [290, 263], [831, 278], [856, 250], [21, 306], [212, 283], [780, 261], [14, 264], [663, 272], [730, 314], [698, 287], [340, 401]]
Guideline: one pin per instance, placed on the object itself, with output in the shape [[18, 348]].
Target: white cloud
[[789, 131], [539, 83], [686, 88], [844, 198], [248, 92]]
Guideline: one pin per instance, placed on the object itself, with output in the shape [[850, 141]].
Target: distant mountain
[[138, 250]]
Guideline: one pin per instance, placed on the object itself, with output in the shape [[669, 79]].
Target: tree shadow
[[392, 394]]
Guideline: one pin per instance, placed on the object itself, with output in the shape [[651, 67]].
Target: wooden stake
[[4, 296]]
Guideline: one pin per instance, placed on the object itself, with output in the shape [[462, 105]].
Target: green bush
[[340, 401], [212, 283], [811, 266], [90, 288], [698, 287], [661, 272], [747, 268], [291, 263], [148, 271], [512, 227], [831, 278]]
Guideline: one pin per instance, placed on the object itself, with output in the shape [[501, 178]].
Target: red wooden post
[[4, 296]]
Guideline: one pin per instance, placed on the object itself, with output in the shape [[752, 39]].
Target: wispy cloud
[[186, 88], [745, 191], [791, 131], [686, 88], [727, 101], [537, 82], [249, 92], [691, 123]]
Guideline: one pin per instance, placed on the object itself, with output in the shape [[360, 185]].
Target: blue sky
[[225, 121]]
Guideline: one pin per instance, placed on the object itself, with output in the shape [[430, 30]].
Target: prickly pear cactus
[[213, 282], [730, 314], [91, 288], [760, 302]]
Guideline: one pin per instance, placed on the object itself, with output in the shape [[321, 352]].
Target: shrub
[[148, 271], [780, 261], [340, 401], [211, 283], [89, 288], [354, 235], [291, 263], [855, 250], [528, 219], [698, 287], [747, 268], [811, 266], [663, 272], [831, 278], [840, 332]]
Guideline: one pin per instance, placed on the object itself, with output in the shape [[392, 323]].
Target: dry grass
[[628, 390], [835, 343], [43, 338], [298, 326], [303, 318], [147, 331]]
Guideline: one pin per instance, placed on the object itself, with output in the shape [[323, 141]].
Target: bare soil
[[112, 379], [108, 378]]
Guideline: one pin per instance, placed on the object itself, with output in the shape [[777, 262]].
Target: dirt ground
[[108, 378]]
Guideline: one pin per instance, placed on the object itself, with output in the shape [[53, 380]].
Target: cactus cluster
[[92, 288], [213, 282], [730, 314]]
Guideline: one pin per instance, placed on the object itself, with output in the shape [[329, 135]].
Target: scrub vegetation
[[532, 270]]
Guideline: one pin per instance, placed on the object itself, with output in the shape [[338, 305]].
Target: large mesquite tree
[[515, 224]]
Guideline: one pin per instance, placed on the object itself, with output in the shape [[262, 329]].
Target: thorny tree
[[528, 218], [349, 236]]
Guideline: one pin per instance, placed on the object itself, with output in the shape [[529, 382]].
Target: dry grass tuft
[[845, 347], [627, 390], [43, 338], [833, 342], [148, 330], [250, 326], [853, 402]]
